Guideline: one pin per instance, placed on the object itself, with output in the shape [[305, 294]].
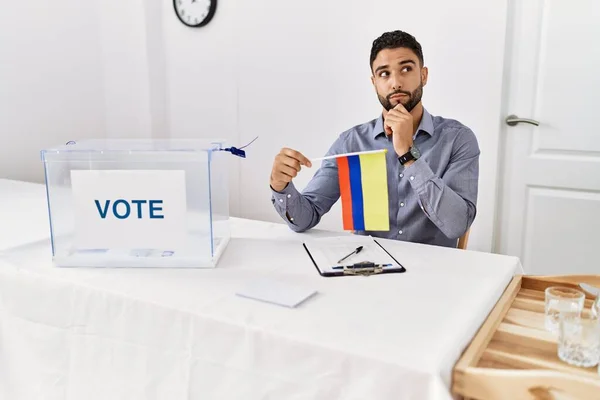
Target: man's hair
[[394, 40]]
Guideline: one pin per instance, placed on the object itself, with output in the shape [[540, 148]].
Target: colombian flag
[[364, 192]]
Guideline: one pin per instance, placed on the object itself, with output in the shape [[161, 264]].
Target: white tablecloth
[[23, 213], [86, 334]]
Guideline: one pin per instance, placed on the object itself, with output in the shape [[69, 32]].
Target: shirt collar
[[426, 125]]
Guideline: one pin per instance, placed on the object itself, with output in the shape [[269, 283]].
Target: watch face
[[415, 152], [195, 13]]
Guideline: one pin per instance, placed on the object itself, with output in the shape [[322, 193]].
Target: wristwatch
[[413, 154]]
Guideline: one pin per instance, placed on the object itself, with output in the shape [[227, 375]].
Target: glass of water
[[579, 341], [562, 303]]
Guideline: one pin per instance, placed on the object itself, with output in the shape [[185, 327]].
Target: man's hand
[[399, 123], [286, 166]]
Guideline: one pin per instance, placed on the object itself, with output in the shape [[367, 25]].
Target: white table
[[26, 203], [183, 334]]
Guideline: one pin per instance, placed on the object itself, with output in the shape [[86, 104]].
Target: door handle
[[512, 120]]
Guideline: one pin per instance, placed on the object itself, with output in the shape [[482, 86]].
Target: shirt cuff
[[281, 199], [419, 173]]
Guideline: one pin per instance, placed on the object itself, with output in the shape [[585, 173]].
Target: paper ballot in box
[[138, 203]]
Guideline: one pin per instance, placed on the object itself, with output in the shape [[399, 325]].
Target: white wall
[[294, 73], [69, 70], [297, 74], [125, 65], [51, 79]]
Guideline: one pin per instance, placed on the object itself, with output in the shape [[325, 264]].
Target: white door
[[549, 212]]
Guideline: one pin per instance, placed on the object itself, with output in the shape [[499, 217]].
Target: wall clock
[[195, 13]]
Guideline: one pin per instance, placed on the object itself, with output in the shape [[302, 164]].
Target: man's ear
[[424, 75], [373, 81]]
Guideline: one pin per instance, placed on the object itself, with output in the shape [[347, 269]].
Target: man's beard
[[413, 98]]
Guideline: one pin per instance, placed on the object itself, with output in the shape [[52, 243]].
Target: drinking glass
[[562, 302], [579, 341]]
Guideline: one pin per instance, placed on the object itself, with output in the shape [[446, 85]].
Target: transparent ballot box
[[138, 203]]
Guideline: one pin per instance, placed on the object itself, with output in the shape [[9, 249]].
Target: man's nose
[[396, 83]]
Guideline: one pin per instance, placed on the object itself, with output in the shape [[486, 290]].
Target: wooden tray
[[513, 357]]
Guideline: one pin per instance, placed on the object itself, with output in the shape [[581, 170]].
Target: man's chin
[[409, 106], [394, 103]]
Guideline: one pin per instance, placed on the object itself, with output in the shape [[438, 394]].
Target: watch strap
[[406, 157]]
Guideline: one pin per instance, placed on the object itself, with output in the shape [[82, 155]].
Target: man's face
[[398, 78]]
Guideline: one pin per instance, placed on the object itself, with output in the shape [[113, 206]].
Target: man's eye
[[406, 69], [383, 74]]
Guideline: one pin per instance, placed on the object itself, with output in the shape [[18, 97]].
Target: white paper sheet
[[276, 292]]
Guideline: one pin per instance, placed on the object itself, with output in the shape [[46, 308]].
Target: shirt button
[[400, 232], [281, 200], [401, 204], [401, 175], [289, 195], [291, 219], [412, 178]]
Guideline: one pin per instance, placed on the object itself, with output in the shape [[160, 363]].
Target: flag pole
[[348, 154]]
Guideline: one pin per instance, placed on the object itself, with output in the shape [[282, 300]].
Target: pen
[[356, 251], [360, 266]]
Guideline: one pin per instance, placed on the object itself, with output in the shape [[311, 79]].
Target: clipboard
[[375, 259]]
